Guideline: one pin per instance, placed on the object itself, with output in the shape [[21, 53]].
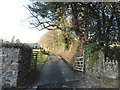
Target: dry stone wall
[[24, 64], [14, 66], [103, 68], [9, 66], [0, 69]]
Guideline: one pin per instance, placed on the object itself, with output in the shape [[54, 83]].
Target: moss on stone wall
[[97, 66]]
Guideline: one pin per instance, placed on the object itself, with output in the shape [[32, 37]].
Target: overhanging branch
[[45, 24]]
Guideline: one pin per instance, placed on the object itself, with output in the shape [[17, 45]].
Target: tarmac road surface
[[55, 70]]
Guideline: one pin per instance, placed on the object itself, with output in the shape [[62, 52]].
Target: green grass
[[41, 59], [36, 49]]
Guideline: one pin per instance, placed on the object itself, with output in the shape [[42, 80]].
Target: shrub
[[16, 45], [115, 53], [91, 53]]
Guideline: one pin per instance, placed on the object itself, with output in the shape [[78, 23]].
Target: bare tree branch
[[45, 24]]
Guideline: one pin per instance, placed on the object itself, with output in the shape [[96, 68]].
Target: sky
[[14, 22]]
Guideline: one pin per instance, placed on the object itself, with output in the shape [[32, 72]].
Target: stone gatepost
[[14, 66], [102, 60]]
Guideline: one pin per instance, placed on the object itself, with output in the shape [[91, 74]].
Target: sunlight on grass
[[59, 57], [41, 59], [36, 49]]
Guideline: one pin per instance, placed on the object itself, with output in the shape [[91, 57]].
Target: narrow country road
[[54, 71]]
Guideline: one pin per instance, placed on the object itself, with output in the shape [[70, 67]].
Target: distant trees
[[12, 40], [48, 40], [17, 41], [55, 39]]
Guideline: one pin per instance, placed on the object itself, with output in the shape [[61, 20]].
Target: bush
[[92, 47], [91, 53], [115, 53], [16, 45]]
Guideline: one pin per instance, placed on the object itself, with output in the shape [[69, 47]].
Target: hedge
[[16, 45]]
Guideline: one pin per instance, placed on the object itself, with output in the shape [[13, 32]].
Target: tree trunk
[[76, 26], [81, 48]]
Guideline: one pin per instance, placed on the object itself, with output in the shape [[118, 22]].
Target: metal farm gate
[[80, 63]]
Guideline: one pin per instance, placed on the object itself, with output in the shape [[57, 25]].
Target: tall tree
[[56, 15], [53, 40], [103, 22], [98, 21], [13, 38]]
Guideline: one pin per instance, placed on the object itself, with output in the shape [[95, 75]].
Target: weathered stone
[[103, 68], [14, 66]]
